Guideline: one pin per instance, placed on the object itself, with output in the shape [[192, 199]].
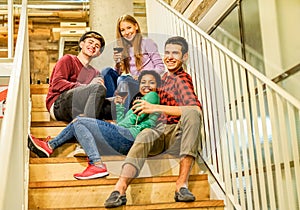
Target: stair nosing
[[110, 181], [153, 206], [105, 158]]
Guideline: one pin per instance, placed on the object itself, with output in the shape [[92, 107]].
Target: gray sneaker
[[184, 195], [115, 200]]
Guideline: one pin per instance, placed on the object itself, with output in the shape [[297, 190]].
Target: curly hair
[[153, 73]]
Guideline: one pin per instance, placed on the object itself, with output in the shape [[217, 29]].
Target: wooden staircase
[[52, 186]]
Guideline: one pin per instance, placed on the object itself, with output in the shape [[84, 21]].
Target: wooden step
[[39, 89], [200, 205], [93, 193], [44, 129], [38, 94], [49, 124], [47, 128], [66, 150], [63, 168]]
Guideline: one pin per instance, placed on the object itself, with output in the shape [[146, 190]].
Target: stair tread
[[169, 205], [36, 160], [63, 168], [49, 124], [110, 181], [39, 88]]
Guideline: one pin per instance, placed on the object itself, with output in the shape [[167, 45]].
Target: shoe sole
[[36, 149], [185, 200], [115, 204], [182, 198], [79, 152], [80, 155], [95, 176]]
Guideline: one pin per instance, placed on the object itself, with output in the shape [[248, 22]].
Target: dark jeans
[[87, 100], [110, 80]]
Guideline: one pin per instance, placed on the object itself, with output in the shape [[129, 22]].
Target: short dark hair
[[95, 35], [179, 41], [153, 73]]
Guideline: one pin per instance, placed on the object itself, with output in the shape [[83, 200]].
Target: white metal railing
[[252, 126], [9, 26], [13, 140], [233, 44]]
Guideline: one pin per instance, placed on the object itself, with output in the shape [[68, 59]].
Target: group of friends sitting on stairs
[[144, 105]]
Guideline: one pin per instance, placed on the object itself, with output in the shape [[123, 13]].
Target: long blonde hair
[[136, 44]]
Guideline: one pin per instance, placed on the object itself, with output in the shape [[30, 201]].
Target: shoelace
[[48, 138]]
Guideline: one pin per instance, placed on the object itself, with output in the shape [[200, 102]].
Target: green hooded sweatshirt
[[144, 120]]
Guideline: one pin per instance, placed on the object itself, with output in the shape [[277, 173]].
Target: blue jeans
[[110, 80], [96, 137]]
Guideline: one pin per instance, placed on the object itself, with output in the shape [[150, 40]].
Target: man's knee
[[143, 143], [192, 114], [146, 136], [97, 88]]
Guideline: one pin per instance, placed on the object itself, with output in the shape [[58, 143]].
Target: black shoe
[[184, 195], [115, 200]]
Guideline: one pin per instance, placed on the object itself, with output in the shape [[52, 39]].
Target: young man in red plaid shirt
[[178, 131]]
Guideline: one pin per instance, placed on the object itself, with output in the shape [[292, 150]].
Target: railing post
[[10, 29]]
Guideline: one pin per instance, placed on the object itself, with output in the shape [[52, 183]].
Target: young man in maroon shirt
[[178, 131], [75, 86]]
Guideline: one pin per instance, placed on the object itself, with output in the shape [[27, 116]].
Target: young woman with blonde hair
[[138, 53]]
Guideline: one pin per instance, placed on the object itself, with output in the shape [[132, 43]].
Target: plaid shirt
[[177, 90]]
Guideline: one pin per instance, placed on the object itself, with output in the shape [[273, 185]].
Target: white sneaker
[[79, 152]]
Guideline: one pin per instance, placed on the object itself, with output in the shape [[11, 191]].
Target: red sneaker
[[92, 172], [39, 147]]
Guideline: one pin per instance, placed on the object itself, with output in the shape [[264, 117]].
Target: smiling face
[[128, 30], [90, 47], [148, 83], [173, 57]]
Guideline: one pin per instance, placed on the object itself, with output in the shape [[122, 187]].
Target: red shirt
[[67, 74], [177, 90]]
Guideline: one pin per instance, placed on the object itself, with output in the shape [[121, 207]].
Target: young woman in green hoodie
[[101, 137]]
